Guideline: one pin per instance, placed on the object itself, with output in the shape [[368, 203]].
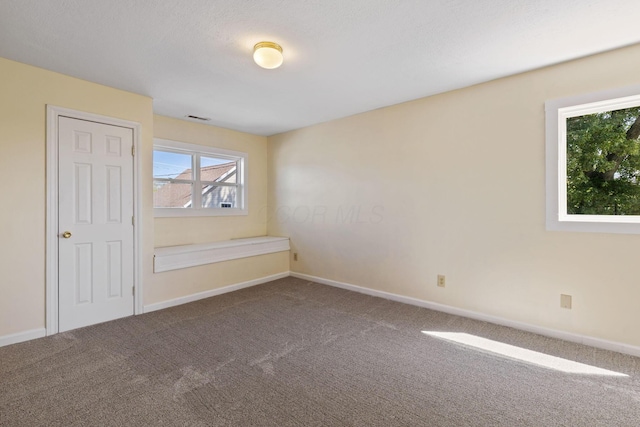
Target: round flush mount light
[[268, 55]]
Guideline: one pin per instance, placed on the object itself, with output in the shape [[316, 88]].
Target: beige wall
[[24, 93], [182, 231], [454, 184]]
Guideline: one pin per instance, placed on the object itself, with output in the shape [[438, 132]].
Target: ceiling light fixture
[[268, 55]]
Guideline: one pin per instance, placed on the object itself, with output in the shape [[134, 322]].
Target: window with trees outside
[[197, 180], [593, 162]]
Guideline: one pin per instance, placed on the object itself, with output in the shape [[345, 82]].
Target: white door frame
[[51, 234]]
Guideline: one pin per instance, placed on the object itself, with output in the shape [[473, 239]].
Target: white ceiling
[[342, 57]]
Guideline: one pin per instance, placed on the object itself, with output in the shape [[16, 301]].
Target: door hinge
[[133, 150], [133, 220], [133, 291]]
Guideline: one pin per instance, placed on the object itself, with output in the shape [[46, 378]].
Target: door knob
[[66, 234]]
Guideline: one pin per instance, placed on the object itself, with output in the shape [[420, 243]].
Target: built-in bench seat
[[176, 257]]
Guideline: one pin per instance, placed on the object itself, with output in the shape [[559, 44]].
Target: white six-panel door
[[95, 223]]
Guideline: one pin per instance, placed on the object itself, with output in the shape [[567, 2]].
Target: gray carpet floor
[[295, 353]]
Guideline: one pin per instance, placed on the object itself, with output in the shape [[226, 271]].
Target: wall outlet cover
[[565, 301]]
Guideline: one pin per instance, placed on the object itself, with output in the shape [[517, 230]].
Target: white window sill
[[188, 212], [176, 257]]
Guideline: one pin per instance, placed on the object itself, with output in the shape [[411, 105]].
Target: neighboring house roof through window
[[179, 195]]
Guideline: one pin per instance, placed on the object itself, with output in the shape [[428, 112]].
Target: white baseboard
[[22, 336], [554, 333], [213, 292]]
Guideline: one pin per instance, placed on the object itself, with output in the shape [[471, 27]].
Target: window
[[593, 162], [196, 180]]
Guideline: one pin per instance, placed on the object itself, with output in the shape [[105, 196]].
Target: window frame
[[196, 151], [556, 113]]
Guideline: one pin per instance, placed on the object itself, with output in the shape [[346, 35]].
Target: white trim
[[137, 215], [22, 336], [190, 212], [188, 148], [176, 257], [556, 113], [213, 292], [51, 275], [242, 176], [554, 333]]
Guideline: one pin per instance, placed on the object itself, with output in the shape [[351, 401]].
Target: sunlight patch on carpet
[[522, 354]]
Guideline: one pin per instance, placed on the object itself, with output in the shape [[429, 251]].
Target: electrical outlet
[[565, 301], [441, 280], [295, 256]]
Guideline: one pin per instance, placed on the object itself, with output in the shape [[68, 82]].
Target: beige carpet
[[294, 353]]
